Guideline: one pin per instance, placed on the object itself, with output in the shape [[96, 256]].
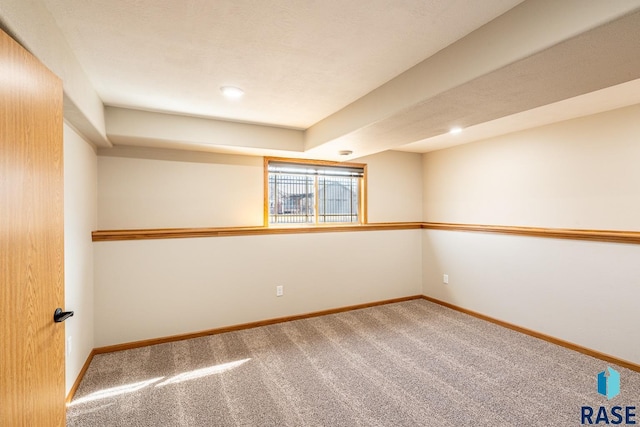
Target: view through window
[[314, 193]]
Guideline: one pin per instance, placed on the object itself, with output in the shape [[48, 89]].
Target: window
[[317, 193]]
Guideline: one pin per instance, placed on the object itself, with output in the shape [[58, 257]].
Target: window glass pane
[[337, 199], [307, 193], [291, 199]]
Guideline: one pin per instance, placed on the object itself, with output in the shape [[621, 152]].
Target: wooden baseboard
[[539, 335], [162, 340], [76, 384]]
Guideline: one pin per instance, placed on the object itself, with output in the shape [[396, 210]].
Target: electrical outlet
[[279, 290], [69, 346], [445, 279]]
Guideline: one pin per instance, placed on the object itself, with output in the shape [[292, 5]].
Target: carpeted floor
[[407, 364]]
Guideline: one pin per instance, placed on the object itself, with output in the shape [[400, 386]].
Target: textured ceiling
[[298, 61], [604, 57], [331, 75]]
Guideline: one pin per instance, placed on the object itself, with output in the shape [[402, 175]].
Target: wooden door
[[31, 241]]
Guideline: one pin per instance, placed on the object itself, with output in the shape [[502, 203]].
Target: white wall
[[394, 182], [159, 188], [581, 173], [143, 188], [583, 292], [80, 219], [156, 288]]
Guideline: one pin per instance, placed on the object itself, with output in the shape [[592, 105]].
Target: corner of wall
[[80, 212]]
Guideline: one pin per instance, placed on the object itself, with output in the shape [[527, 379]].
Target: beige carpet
[[407, 364]]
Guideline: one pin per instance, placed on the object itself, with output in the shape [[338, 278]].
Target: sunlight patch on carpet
[[203, 372], [115, 391]]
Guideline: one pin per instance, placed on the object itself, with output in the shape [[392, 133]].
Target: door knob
[[61, 316]]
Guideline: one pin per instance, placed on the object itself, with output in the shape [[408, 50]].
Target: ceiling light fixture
[[455, 130], [345, 152], [231, 92]]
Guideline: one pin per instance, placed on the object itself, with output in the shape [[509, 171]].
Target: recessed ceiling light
[[345, 152], [232, 92], [455, 130]]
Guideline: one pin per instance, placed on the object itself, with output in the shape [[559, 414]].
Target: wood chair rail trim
[[615, 236]]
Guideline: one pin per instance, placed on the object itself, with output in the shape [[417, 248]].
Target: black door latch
[[61, 316]]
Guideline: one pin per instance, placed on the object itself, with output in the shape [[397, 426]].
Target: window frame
[[362, 191]]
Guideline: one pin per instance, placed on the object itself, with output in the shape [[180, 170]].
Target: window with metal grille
[[305, 192]]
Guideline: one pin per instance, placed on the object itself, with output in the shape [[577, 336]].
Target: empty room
[[320, 213]]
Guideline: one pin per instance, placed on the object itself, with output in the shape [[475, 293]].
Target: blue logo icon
[[609, 383]]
